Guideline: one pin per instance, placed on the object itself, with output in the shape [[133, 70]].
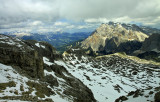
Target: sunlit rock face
[[115, 37]]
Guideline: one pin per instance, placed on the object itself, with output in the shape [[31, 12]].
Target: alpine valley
[[60, 40], [116, 63]]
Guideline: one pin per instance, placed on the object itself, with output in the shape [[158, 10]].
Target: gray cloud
[[14, 12], [80, 9]]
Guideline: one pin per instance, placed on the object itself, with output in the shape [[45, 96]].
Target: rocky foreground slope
[[28, 73], [116, 77], [115, 37]]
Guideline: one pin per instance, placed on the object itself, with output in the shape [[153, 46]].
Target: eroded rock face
[[22, 55], [110, 37]]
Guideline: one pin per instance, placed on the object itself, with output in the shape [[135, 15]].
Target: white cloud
[[81, 27], [88, 26], [35, 23], [58, 30], [48, 29], [61, 24], [96, 20], [70, 26], [124, 19]]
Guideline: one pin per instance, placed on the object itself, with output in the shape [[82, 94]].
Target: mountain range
[[116, 63], [60, 40]]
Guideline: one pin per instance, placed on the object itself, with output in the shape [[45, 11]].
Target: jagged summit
[[112, 37], [133, 27]]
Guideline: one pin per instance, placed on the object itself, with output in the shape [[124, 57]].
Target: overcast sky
[[75, 15]]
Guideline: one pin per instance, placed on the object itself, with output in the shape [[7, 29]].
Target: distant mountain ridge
[[60, 40]]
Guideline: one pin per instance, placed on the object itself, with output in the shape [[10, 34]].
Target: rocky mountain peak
[[106, 32]]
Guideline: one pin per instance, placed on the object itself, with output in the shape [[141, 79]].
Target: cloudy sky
[[75, 15]]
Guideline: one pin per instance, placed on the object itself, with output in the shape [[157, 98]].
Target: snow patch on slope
[[8, 74], [39, 45], [11, 41], [62, 86], [46, 61]]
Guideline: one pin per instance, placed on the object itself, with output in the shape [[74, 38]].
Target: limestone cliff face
[[15, 52], [31, 64], [26, 54], [108, 37]]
